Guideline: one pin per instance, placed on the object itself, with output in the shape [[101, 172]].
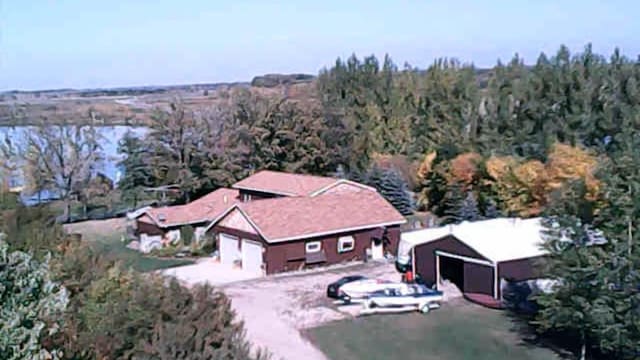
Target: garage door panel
[[229, 249], [478, 278], [251, 255]]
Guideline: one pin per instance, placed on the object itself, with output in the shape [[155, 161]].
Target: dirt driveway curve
[[275, 309]]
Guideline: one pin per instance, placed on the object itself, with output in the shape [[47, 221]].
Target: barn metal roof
[[498, 240]]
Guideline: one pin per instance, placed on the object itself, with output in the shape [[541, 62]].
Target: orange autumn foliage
[[464, 169]]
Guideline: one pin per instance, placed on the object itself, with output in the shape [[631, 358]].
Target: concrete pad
[[210, 271]]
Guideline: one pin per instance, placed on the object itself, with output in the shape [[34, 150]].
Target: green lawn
[[454, 332], [105, 236], [113, 248]]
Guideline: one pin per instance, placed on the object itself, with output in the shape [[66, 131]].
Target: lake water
[[110, 136]]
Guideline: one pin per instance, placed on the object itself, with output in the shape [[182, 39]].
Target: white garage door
[[229, 251], [251, 256]]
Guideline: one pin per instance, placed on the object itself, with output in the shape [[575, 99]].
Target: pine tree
[[391, 186], [579, 303], [469, 210], [136, 167]]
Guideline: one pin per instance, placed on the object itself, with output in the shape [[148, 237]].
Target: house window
[[346, 243], [313, 246], [246, 197]]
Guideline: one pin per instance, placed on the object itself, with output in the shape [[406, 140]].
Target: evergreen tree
[[579, 303], [136, 167], [469, 210], [391, 186]]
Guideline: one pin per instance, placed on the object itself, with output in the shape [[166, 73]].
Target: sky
[[49, 44]]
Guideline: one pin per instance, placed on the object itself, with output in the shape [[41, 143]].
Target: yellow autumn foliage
[[426, 166], [569, 163], [524, 187], [500, 166]]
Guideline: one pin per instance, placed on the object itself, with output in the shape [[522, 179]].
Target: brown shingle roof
[[290, 218], [284, 183], [203, 209]]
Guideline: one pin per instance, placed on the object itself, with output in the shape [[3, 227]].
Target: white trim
[[297, 237], [253, 242], [339, 182], [465, 258], [493, 266], [264, 190], [495, 281], [155, 222], [216, 219], [437, 271], [314, 243], [413, 261], [349, 239], [255, 226], [168, 225], [336, 231]]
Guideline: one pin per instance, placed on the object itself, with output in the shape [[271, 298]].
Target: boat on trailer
[[410, 297]]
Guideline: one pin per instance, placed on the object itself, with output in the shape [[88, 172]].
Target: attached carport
[[476, 256]]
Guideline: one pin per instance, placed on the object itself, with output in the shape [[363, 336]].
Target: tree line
[[556, 138]]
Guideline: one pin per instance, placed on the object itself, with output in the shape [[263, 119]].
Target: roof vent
[[162, 218], [225, 199]]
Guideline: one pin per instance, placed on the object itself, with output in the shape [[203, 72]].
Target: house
[[477, 256], [287, 222], [158, 226]]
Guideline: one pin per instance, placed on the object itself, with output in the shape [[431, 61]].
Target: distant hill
[[118, 91], [273, 80]]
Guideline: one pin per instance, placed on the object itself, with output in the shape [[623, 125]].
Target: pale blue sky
[[104, 43]]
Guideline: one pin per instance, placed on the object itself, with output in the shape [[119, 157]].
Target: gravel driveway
[[275, 308]]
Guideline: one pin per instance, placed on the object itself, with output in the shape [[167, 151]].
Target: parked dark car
[[333, 289], [420, 281]]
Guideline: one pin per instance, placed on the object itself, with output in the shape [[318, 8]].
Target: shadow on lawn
[[563, 344]]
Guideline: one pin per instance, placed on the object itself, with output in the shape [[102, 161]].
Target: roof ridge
[[296, 174]]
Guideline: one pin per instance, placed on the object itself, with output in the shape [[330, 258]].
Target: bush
[[128, 315], [208, 245], [187, 234], [32, 305], [31, 229], [167, 251]]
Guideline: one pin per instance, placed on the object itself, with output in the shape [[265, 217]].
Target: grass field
[[105, 237], [454, 332]]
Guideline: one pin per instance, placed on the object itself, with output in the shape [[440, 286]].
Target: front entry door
[[377, 252]]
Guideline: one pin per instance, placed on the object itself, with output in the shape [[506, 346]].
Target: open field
[[126, 106], [105, 236], [459, 330]]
